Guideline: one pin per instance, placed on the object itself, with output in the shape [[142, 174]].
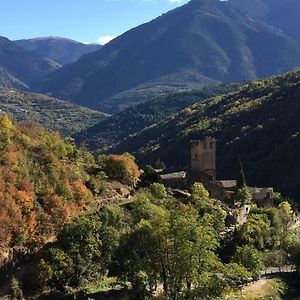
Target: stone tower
[[203, 156]]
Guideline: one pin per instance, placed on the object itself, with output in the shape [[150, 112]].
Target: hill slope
[[9, 81], [259, 123], [113, 130], [22, 65], [47, 112], [61, 50], [274, 12], [42, 186], [200, 43]]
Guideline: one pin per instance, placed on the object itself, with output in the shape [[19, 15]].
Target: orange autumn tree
[[122, 168]]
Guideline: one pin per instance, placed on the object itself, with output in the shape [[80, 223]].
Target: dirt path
[[258, 289]]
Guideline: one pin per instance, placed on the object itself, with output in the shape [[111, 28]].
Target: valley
[[154, 154]]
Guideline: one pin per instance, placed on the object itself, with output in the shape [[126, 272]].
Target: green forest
[[113, 130]]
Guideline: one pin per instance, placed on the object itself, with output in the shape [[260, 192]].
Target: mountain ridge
[[200, 43], [113, 130], [22, 65], [59, 49]]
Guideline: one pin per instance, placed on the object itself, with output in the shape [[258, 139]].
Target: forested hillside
[[42, 185], [258, 124], [45, 182], [47, 112], [116, 128], [82, 227]]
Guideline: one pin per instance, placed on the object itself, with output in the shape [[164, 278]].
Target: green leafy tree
[[158, 191], [250, 258], [255, 232], [244, 195], [82, 252], [199, 193], [170, 247], [292, 247]]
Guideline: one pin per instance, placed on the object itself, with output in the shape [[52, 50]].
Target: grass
[[263, 289]]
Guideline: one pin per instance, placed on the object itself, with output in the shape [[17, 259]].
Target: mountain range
[[24, 61], [61, 50], [203, 42], [19, 67]]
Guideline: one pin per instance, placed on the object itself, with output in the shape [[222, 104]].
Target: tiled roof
[[176, 175], [227, 183]]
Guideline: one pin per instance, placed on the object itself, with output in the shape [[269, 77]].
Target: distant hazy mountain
[[202, 42], [61, 50], [48, 112], [19, 67]]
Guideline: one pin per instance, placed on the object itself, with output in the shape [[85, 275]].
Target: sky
[[87, 21]]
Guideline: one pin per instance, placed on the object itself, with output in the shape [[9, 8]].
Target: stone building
[[203, 156], [203, 169], [176, 180], [263, 197]]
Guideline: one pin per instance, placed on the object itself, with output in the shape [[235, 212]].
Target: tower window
[[204, 146], [196, 155], [211, 145]]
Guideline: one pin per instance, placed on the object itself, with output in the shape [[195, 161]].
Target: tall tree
[[241, 180]]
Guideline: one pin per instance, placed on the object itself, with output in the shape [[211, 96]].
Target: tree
[[244, 195], [158, 191], [82, 252], [148, 176], [241, 180], [122, 168], [250, 258], [292, 247], [199, 193], [171, 247], [285, 214], [255, 232], [16, 291]]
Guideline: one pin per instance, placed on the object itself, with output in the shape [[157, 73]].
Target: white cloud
[[102, 40]]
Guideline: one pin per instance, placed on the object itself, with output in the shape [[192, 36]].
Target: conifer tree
[[241, 180]]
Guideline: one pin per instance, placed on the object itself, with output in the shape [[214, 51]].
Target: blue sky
[[81, 20]]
